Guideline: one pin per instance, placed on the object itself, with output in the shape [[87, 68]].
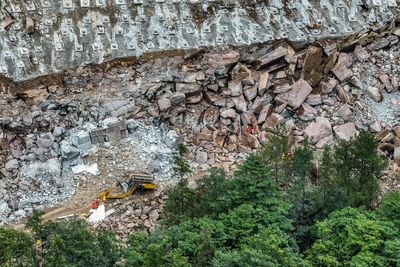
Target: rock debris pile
[[327, 92]]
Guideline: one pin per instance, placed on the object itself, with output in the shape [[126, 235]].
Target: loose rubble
[[221, 103]]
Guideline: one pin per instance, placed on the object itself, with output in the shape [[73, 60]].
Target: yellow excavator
[[136, 181]]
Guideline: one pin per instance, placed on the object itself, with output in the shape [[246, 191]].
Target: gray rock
[[58, 131], [201, 157], [375, 94], [45, 140], [12, 165]]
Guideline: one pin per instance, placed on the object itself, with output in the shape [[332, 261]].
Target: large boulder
[[346, 131], [318, 130], [295, 97]]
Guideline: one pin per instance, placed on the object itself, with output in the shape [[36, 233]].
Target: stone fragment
[[240, 103], [312, 68], [343, 95], [295, 97], [328, 85], [194, 98], [341, 70], [396, 131], [314, 99], [251, 141], [177, 98], [270, 58], [380, 43], [326, 141], [250, 93], [374, 93], [263, 83], [164, 104], [229, 113], [11, 165], [396, 155], [265, 112], [384, 78], [317, 130], [307, 112], [29, 25], [201, 157], [346, 131], [345, 112], [361, 53], [248, 117], [273, 120], [235, 88], [211, 116], [45, 140], [376, 127]]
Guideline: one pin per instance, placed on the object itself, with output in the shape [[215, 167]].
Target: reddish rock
[[312, 67], [326, 141], [376, 127], [211, 116], [219, 138], [318, 130], [295, 97], [341, 70], [327, 86], [343, 95], [263, 83], [314, 99], [346, 131], [273, 120], [375, 94], [345, 112], [29, 25], [164, 104], [248, 117], [307, 112], [251, 141], [384, 78], [240, 103], [270, 58], [250, 93], [361, 53], [229, 113], [265, 112]]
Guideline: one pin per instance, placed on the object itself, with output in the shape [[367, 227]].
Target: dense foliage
[[282, 207]]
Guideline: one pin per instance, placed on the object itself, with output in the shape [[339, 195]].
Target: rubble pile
[[221, 103], [142, 214]]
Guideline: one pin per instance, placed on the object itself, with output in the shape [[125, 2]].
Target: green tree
[[304, 196], [181, 166], [270, 247], [389, 208], [16, 249], [276, 152], [351, 237], [350, 173], [72, 243]]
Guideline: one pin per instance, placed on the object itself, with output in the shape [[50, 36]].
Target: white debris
[[93, 169], [97, 215]]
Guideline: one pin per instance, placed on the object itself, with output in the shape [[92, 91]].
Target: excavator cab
[[124, 189]]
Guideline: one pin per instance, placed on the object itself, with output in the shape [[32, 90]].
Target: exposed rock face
[[167, 27]]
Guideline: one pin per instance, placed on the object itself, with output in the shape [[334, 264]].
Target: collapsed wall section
[[40, 37]]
